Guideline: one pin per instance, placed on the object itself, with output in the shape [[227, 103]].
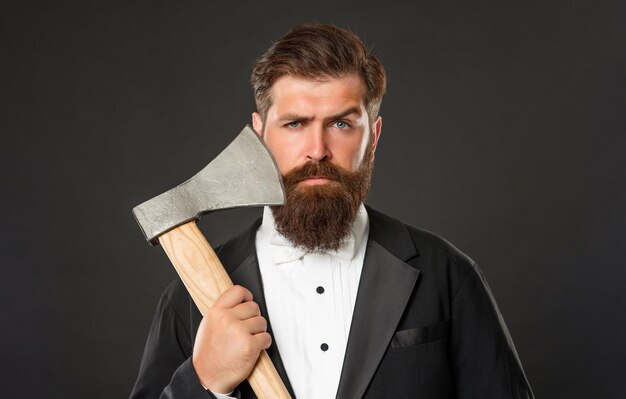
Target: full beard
[[320, 217]]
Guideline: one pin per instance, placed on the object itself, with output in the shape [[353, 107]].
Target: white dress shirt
[[310, 299]]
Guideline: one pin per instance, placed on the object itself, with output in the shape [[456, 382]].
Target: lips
[[316, 177], [315, 180]]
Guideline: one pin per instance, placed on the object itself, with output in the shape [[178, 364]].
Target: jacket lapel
[[239, 259], [384, 291]]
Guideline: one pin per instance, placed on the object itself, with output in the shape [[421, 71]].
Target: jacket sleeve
[[166, 369], [484, 358]]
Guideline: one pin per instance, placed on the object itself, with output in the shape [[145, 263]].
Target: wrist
[[213, 384], [218, 390]]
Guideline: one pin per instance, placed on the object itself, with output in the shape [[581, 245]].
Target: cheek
[[348, 157], [280, 156], [283, 167], [357, 153]]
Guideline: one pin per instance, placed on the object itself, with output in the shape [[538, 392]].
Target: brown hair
[[317, 51]]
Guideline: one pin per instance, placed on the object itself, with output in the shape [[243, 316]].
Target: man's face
[[311, 121], [319, 133]]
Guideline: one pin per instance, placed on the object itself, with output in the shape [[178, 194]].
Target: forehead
[[292, 94]]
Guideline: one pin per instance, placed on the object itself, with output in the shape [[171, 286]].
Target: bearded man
[[360, 304]]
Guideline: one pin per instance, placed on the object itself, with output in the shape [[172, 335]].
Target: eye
[[341, 124], [294, 124]]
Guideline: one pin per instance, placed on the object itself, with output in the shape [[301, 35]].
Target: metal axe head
[[244, 174]]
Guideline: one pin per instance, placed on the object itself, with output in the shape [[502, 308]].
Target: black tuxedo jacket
[[425, 325]]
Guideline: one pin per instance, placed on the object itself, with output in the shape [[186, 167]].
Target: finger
[[246, 310], [263, 340], [255, 325], [233, 297]]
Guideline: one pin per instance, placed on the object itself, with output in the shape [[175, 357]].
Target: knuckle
[[234, 290], [263, 323], [243, 291], [267, 340], [239, 289]]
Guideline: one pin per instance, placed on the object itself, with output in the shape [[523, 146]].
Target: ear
[[378, 124], [257, 123]]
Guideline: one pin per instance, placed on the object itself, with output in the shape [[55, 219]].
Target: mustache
[[316, 169]]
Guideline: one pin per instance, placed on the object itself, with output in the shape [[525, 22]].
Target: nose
[[317, 147]]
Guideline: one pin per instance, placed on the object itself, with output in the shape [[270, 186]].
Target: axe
[[243, 174]]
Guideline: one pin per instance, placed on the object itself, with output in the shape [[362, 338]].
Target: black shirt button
[[319, 290], [324, 347]]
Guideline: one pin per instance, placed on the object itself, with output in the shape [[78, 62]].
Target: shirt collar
[[283, 251]]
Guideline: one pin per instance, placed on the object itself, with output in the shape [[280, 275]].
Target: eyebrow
[[349, 111], [296, 117]]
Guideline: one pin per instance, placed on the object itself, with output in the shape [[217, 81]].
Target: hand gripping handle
[[205, 278]]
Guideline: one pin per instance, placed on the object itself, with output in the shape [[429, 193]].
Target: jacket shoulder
[[434, 256], [395, 234], [435, 246]]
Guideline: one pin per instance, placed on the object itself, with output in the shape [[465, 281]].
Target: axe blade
[[244, 174]]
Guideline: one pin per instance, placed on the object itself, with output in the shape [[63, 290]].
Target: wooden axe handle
[[205, 279]]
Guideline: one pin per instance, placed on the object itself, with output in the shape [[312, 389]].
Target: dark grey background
[[503, 131]]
